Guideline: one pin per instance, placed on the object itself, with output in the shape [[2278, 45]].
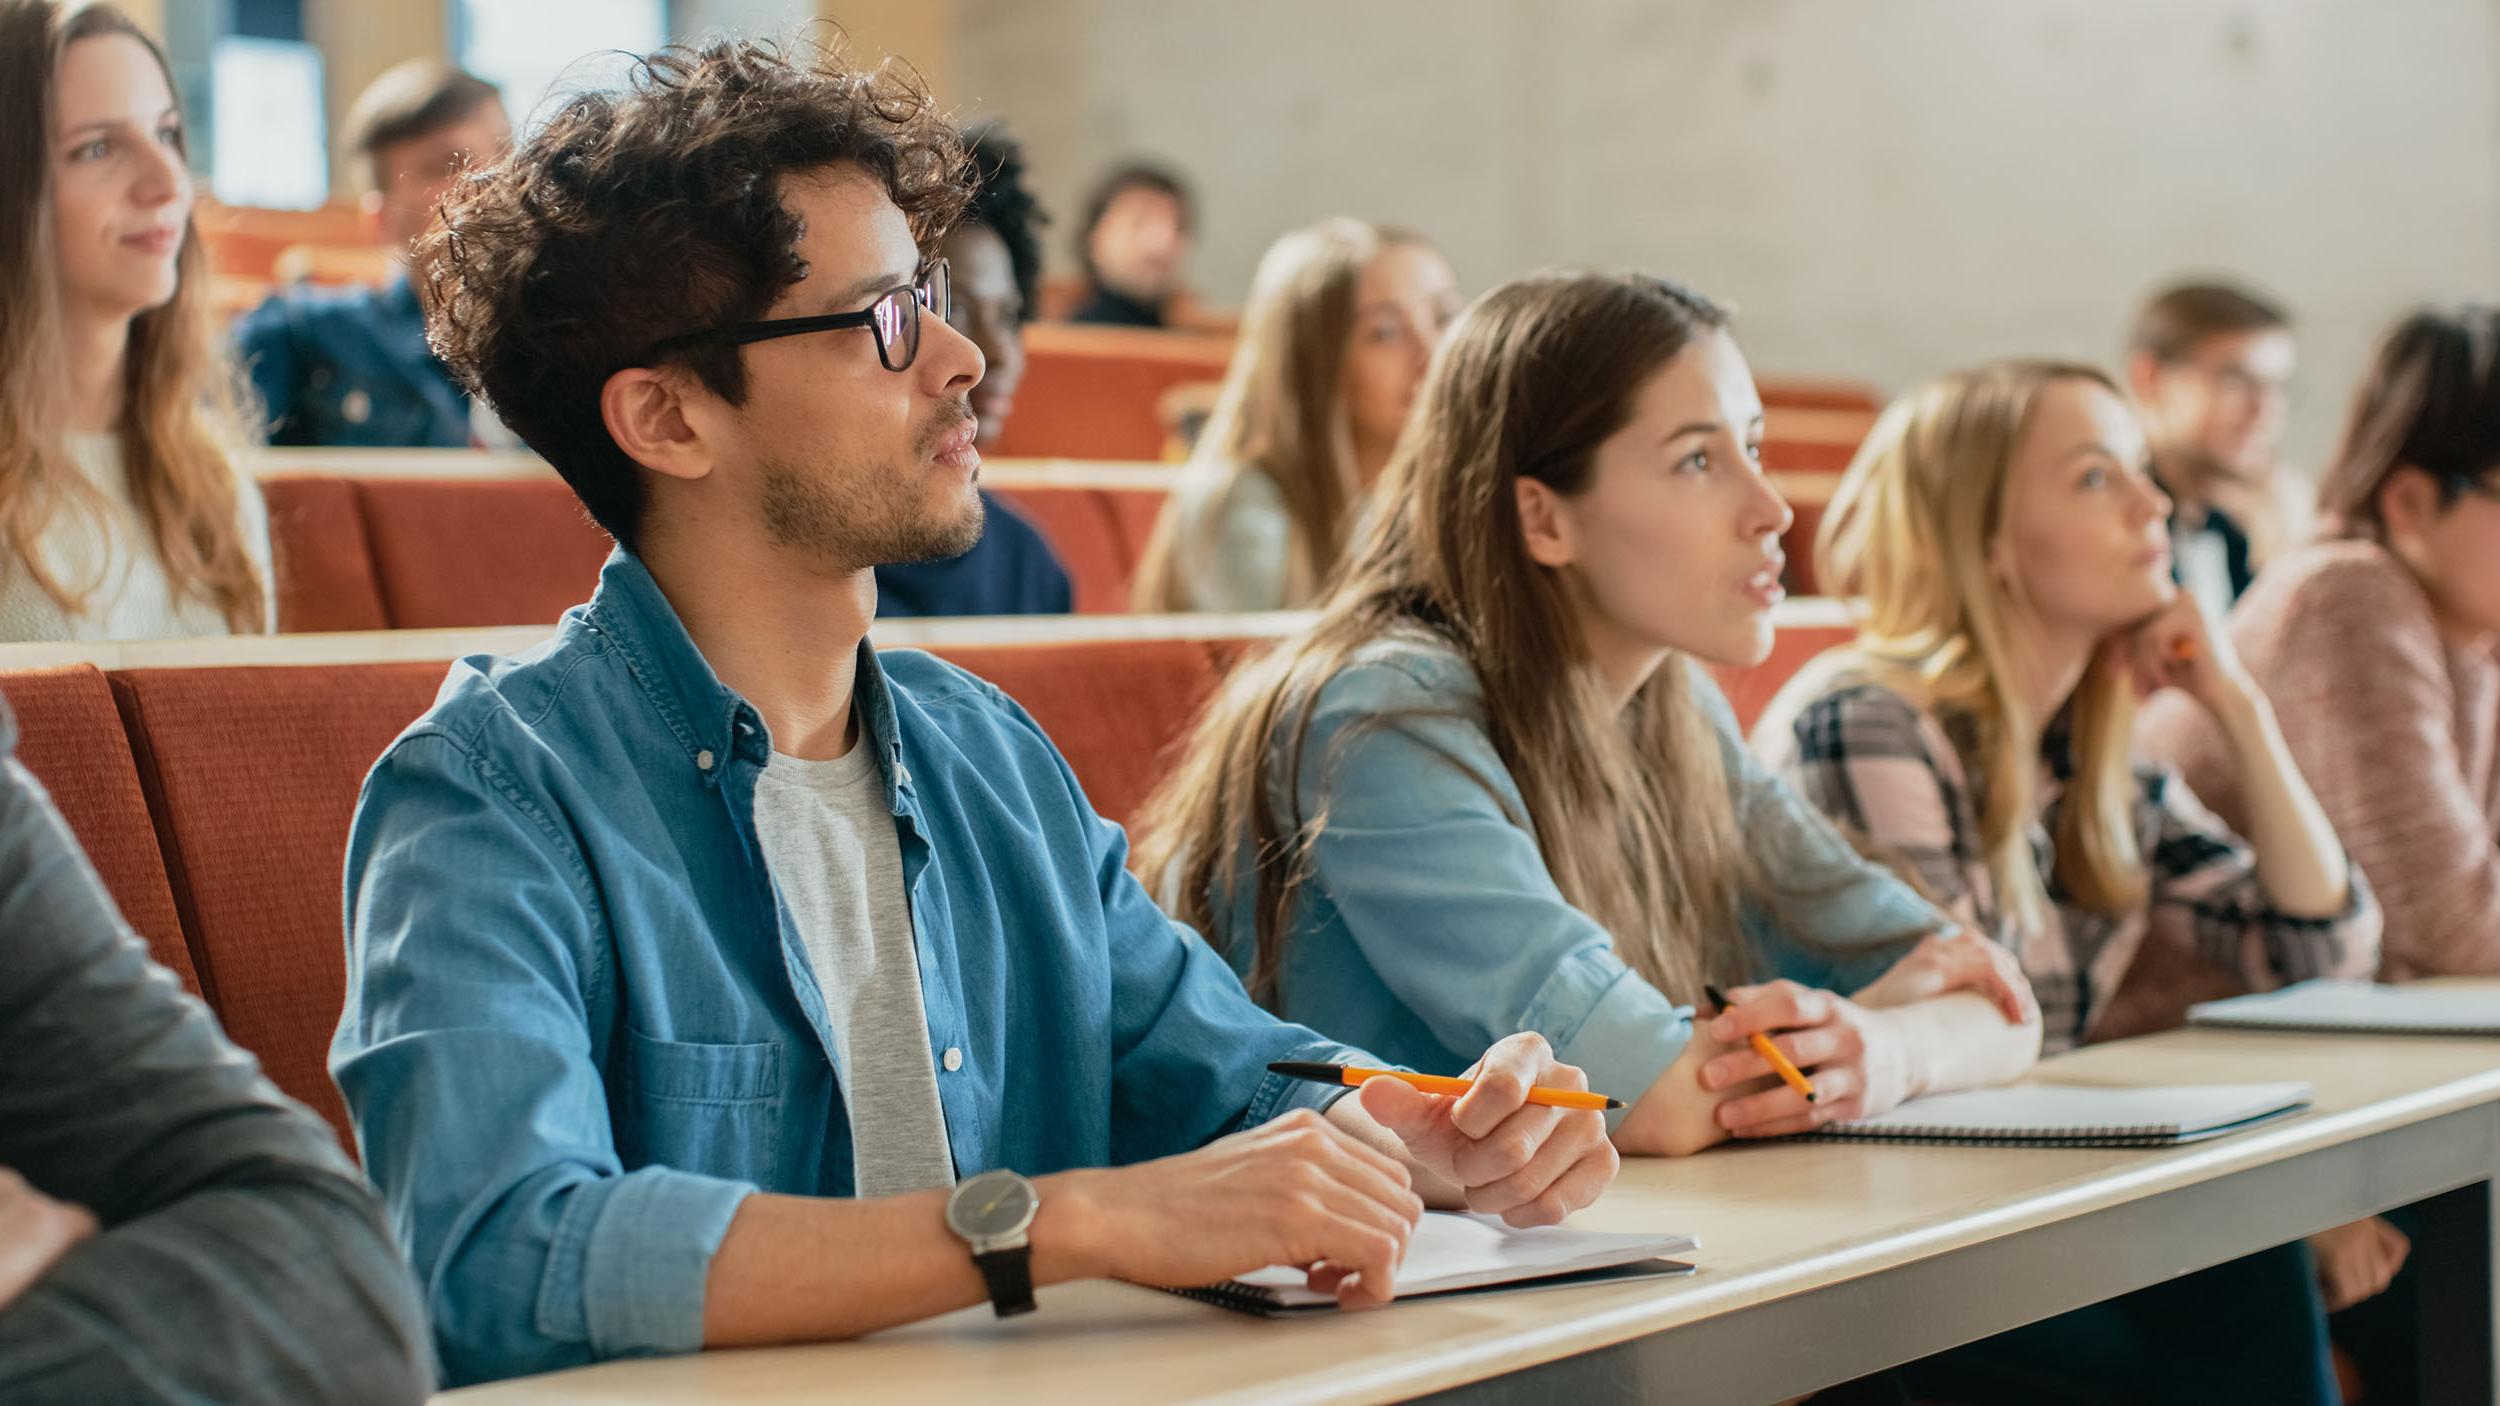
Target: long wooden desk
[[1819, 1263]]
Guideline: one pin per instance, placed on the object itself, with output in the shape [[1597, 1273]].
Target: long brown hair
[[2430, 401], [1908, 532], [1629, 805], [1282, 414], [180, 416]]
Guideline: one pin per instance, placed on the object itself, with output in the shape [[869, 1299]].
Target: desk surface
[[1773, 1219]]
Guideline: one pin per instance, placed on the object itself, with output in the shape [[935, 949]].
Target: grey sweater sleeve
[[242, 1258]]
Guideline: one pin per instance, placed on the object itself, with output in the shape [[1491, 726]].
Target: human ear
[[646, 414], [1545, 524]]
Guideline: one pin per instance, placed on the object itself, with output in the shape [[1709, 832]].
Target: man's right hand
[[35, 1231], [1296, 1191]]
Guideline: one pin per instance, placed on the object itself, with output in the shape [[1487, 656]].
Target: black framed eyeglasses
[[894, 317]]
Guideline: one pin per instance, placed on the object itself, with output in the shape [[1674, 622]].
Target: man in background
[[2211, 364], [349, 366], [1133, 243]]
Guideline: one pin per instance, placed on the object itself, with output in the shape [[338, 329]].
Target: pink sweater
[[2398, 734]]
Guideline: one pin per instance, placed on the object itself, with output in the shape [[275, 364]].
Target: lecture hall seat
[[70, 736]]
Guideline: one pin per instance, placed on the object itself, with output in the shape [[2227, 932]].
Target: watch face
[[990, 1205]]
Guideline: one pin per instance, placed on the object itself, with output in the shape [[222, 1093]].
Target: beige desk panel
[[1774, 1220]]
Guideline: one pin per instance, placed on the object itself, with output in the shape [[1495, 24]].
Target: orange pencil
[[1789, 1073], [1431, 1083]]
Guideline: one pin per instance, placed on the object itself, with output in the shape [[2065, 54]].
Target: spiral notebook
[[2358, 1007], [2074, 1115], [1454, 1253]]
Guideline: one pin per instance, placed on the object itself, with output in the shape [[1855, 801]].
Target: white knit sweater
[[132, 599]]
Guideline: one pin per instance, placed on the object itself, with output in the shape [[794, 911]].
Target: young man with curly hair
[[716, 980]]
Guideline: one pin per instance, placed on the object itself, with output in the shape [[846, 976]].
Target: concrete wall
[[1885, 188]]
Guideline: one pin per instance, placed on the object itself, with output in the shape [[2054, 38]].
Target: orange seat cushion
[[252, 774], [323, 565], [71, 738], [1115, 708], [453, 552]]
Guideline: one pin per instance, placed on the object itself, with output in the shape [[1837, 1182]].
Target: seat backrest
[[1078, 524], [452, 553], [71, 738], [252, 775], [1115, 708], [324, 566], [1092, 392]]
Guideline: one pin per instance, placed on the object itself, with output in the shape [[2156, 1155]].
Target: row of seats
[[215, 800], [394, 551], [401, 552]]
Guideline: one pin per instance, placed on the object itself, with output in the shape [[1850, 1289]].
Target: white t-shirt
[[830, 846]]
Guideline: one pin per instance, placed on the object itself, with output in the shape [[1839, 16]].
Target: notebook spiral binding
[[1245, 1298], [2116, 1135]]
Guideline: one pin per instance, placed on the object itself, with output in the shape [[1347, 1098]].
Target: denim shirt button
[[953, 1059], [703, 760]]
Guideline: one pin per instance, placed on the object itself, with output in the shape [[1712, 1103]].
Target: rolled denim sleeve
[[1190, 1049], [479, 999], [1430, 865]]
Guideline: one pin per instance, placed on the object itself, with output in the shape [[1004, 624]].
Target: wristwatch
[[991, 1213]]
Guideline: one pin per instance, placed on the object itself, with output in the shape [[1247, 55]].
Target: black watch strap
[[1009, 1273]]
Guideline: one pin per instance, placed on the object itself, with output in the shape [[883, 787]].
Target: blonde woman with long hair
[[1342, 318], [2004, 533], [1489, 791], [121, 511]]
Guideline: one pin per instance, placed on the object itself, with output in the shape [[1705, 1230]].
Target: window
[[535, 49]]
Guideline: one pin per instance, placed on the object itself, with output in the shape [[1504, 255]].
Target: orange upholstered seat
[[1114, 707], [1091, 392], [324, 566], [252, 775], [70, 737], [454, 552]]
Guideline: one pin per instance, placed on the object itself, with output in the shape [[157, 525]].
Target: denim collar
[[710, 721]]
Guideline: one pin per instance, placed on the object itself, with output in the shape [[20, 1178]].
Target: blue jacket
[[580, 1028], [1433, 927], [350, 367]]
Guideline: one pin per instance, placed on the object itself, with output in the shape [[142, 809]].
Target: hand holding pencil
[[1843, 1060]]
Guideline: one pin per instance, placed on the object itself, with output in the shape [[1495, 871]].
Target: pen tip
[[1614, 1103], [1809, 1098]]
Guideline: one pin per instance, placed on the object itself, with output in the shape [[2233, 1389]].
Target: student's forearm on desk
[[1963, 1041], [802, 1269]]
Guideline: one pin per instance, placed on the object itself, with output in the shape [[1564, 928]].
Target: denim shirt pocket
[[690, 1104]]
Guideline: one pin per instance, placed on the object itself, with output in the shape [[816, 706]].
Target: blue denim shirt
[[580, 1027], [1436, 929]]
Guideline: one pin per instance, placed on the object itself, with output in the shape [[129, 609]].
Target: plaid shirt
[[1893, 776]]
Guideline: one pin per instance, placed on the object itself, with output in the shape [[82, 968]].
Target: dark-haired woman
[[121, 513]]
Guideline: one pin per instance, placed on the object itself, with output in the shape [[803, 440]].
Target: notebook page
[[1455, 1251]]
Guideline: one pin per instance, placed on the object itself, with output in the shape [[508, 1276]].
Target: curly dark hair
[[634, 216], [1002, 204]]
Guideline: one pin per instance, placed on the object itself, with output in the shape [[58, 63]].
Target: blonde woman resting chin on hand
[[2011, 550], [1492, 790]]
